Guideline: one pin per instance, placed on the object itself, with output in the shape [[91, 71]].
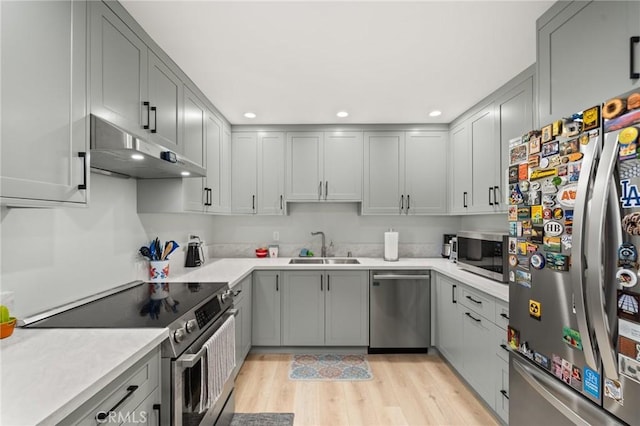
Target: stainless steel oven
[[484, 253]]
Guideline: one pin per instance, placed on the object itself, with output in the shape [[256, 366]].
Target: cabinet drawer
[[132, 388], [478, 302], [502, 314], [501, 345], [240, 289]]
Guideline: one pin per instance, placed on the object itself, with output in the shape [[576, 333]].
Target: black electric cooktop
[[147, 305]]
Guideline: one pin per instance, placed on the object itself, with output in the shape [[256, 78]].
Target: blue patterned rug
[[330, 367]]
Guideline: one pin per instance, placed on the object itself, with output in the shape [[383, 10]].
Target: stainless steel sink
[[320, 261], [306, 261], [341, 261]]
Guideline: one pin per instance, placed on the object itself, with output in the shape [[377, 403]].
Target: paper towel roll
[[390, 246]]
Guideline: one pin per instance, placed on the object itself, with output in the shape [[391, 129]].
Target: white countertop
[[234, 270], [48, 373]]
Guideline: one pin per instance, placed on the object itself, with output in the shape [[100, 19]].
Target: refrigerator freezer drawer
[[538, 399]]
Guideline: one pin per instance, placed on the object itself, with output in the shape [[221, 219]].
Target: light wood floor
[[406, 390]]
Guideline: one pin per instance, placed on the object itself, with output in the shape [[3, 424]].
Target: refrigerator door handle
[[579, 264], [603, 191]]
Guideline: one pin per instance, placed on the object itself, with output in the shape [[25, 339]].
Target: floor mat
[[262, 419], [330, 367]]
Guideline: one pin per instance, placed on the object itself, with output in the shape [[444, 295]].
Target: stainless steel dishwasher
[[399, 311]]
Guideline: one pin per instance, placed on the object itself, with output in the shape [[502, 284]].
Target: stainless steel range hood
[[118, 151]]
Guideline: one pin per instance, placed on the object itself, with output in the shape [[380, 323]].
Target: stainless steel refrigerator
[[574, 224]]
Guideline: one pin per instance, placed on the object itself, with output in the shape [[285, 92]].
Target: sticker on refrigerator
[[513, 338], [567, 242], [630, 196], [535, 309], [524, 213], [523, 171], [613, 390], [572, 337], [548, 187], [543, 173], [627, 278], [631, 223], [571, 128], [512, 276], [547, 133], [513, 174], [573, 172], [533, 198], [628, 305], [556, 366], [567, 196], [627, 152], [536, 234], [627, 256], [629, 367], [536, 215], [518, 153], [566, 371], [558, 213], [542, 360], [628, 136], [576, 378], [557, 262], [552, 244], [556, 128], [629, 348], [512, 245], [629, 330], [515, 195], [591, 118], [629, 169], [523, 262], [569, 147], [534, 144], [537, 261], [513, 260], [553, 228], [548, 200], [591, 383], [523, 278], [533, 161]]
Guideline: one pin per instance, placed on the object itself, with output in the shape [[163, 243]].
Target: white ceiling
[[300, 62]]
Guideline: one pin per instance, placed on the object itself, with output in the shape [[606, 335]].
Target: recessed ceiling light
[[137, 156], [185, 173], [342, 114], [250, 114], [435, 113]]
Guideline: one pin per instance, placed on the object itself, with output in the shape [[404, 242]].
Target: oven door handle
[[190, 360]]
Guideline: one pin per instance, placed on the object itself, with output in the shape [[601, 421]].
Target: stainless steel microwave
[[484, 253]]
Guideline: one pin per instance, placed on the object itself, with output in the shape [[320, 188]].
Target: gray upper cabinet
[[244, 166], [271, 173], [324, 166], [119, 61], [425, 172], [195, 120], [405, 173], [266, 302], [130, 86], [44, 111], [382, 184], [461, 163], [485, 155], [257, 172], [584, 55]]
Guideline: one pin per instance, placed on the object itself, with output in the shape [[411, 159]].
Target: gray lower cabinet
[[449, 320], [45, 132], [325, 308], [243, 324], [594, 38], [471, 335], [265, 319], [138, 392]]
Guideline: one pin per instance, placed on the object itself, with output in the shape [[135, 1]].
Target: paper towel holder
[[390, 252]]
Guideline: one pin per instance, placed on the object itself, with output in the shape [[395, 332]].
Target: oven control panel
[[208, 312]]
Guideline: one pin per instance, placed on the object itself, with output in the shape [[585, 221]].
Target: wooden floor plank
[[411, 389]]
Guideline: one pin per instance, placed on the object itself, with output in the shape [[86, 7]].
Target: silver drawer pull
[[401, 277]]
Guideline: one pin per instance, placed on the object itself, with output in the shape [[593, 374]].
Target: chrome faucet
[[323, 250]]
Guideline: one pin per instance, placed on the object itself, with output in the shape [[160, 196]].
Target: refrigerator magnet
[[571, 128], [512, 213], [628, 347], [536, 234], [629, 169], [523, 171], [534, 144], [518, 153], [513, 337], [533, 161], [591, 383], [557, 262], [629, 367], [558, 213], [542, 360], [512, 245], [543, 173], [547, 214], [550, 148], [628, 136], [513, 174], [591, 118], [523, 278], [631, 223], [567, 242], [556, 128], [567, 195], [627, 256], [535, 309], [572, 337], [536, 215], [544, 162], [628, 306], [547, 133], [613, 390], [569, 147], [537, 261], [576, 378], [513, 260], [627, 278], [553, 228], [548, 187], [548, 200]]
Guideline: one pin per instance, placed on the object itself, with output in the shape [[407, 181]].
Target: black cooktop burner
[[147, 305]]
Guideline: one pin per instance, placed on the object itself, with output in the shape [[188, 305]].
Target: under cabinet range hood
[[117, 151]]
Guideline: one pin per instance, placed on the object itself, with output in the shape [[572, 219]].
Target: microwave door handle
[[581, 263], [603, 191]]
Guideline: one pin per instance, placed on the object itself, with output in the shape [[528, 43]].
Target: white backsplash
[[339, 250]]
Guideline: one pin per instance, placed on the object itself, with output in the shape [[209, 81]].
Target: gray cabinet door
[[478, 357], [247, 289], [244, 165], [270, 173], [119, 84], [347, 308], [501, 371], [44, 111], [514, 110], [343, 154], [461, 163], [583, 56], [382, 184], [215, 152], [265, 318], [425, 172], [303, 308], [165, 95], [485, 159], [304, 180], [225, 170], [449, 320], [242, 303], [194, 137]]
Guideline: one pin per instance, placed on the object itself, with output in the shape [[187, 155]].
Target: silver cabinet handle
[[401, 277]]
